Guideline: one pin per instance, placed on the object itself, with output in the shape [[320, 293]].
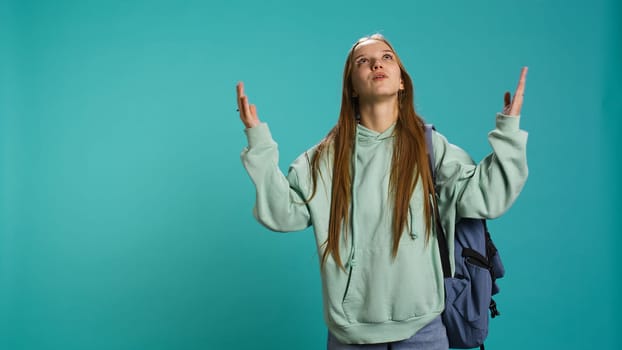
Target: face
[[375, 71]]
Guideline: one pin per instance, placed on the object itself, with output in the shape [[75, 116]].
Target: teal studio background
[[125, 212]]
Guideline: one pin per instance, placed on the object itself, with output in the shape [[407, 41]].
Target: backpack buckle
[[493, 309]]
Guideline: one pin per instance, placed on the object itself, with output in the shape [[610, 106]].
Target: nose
[[376, 64]]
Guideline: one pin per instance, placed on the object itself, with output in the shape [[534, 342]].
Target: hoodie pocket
[[345, 293], [378, 293], [360, 300]]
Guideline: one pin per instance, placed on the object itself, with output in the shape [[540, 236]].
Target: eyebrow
[[359, 56]]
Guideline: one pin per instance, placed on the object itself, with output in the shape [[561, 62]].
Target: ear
[[354, 94], [401, 85]]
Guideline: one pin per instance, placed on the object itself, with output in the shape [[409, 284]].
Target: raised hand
[[512, 106], [248, 113]]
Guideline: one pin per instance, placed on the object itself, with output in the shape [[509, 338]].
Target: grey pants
[[431, 337]]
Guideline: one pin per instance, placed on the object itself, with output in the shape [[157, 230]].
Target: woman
[[367, 187]]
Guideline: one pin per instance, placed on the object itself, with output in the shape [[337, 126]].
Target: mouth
[[379, 76]]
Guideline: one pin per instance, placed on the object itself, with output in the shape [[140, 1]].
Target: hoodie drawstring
[[413, 234]]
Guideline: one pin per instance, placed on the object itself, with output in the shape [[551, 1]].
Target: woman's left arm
[[487, 189]]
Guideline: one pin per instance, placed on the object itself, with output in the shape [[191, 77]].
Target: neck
[[379, 115]]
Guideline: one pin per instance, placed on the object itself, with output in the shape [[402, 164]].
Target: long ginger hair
[[409, 161]]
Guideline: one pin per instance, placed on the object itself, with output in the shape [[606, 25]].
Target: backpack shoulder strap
[[429, 128], [441, 239]]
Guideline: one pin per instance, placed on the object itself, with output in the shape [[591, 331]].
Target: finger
[[517, 104], [243, 115], [520, 88], [246, 110], [253, 110], [507, 103], [240, 92], [254, 118], [243, 106], [240, 89]]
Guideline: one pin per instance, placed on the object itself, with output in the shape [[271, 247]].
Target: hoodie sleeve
[[488, 189], [280, 205]]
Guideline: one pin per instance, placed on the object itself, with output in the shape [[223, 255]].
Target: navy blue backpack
[[468, 293]]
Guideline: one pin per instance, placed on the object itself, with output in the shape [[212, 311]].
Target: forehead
[[370, 46]]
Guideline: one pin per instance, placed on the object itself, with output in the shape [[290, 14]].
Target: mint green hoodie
[[378, 298]]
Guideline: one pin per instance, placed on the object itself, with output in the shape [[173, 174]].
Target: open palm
[[512, 106], [248, 112]]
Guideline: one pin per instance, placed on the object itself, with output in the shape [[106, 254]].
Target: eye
[[387, 56], [362, 60]]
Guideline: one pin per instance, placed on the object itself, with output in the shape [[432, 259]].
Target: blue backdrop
[[125, 212]]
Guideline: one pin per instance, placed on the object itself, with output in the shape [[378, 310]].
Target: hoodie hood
[[366, 136]]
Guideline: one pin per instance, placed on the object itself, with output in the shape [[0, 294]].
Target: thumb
[[507, 103]]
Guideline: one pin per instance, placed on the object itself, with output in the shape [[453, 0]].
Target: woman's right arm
[[280, 204]]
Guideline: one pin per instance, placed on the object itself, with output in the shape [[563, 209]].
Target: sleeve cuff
[[258, 135], [506, 123]]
